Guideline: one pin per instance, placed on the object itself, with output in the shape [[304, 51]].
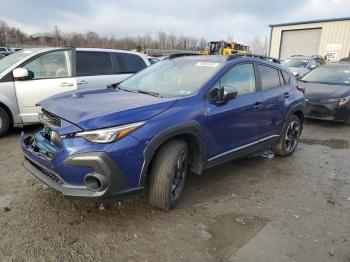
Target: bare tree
[[259, 45], [14, 36]]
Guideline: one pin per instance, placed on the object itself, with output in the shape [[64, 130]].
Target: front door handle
[[82, 82], [66, 84], [286, 95]]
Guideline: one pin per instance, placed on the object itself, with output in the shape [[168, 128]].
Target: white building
[[318, 37]]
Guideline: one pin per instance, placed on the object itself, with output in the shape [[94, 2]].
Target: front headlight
[[344, 101], [295, 73], [331, 100], [109, 135]]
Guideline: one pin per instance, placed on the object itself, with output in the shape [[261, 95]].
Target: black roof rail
[[271, 59], [181, 54]]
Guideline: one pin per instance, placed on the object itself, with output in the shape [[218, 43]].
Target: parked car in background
[[182, 113], [5, 51], [300, 65], [31, 75], [327, 90], [345, 60]]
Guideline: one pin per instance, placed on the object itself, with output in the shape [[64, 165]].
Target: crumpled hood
[[99, 108], [317, 92]]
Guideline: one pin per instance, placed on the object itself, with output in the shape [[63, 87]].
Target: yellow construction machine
[[225, 48]]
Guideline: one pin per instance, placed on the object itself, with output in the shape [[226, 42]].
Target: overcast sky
[[211, 19]]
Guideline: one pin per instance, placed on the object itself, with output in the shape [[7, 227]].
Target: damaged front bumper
[[326, 110], [98, 175]]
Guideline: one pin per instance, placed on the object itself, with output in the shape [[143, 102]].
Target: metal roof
[[312, 21]]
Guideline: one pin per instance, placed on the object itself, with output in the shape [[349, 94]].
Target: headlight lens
[[109, 135], [344, 101], [331, 100], [295, 73]]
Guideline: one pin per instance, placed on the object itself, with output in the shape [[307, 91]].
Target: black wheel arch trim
[[192, 128], [299, 107]]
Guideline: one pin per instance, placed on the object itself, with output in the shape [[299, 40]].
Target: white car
[[31, 75]]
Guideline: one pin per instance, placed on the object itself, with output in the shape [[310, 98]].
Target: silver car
[[300, 65], [31, 75]]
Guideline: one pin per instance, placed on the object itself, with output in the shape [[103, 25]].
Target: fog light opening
[[94, 183]]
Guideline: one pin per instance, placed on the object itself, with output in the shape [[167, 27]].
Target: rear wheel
[[290, 137], [168, 174], [4, 122]]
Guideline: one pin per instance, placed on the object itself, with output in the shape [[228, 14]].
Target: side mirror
[[312, 67], [20, 73], [227, 93]]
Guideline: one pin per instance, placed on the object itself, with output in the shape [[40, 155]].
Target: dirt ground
[[304, 199]]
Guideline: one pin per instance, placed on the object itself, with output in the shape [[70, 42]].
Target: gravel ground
[[306, 197]]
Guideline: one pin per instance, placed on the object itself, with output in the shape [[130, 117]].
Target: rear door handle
[[66, 84], [286, 95], [257, 105], [82, 82]]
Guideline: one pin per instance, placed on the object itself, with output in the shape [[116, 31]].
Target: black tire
[[168, 174], [4, 122], [290, 137], [347, 122]]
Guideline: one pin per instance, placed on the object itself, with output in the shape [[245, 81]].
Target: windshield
[[172, 77], [296, 62], [329, 75], [9, 60]]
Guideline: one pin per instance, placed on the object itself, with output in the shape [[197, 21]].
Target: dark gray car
[[327, 90]]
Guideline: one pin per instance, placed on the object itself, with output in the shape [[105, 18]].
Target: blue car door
[[236, 123], [273, 95]]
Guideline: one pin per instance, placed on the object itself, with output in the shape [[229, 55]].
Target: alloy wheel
[[292, 136], [179, 176]]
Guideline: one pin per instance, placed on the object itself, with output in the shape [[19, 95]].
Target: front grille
[[47, 173], [49, 119]]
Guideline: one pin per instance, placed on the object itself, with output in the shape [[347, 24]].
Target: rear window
[[94, 63], [329, 75], [128, 63], [269, 77]]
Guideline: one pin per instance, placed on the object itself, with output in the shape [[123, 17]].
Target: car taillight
[[301, 87]]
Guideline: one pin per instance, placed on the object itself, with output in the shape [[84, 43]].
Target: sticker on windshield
[[207, 64], [185, 92]]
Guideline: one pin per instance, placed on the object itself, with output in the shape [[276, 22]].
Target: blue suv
[[183, 114]]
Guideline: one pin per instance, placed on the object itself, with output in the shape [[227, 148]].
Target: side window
[[269, 77], [241, 77], [128, 63], [282, 82], [51, 65], [286, 77], [94, 63]]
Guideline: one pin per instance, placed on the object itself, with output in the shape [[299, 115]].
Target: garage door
[[300, 42]]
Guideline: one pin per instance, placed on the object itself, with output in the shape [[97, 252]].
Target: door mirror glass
[[228, 93], [20, 73]]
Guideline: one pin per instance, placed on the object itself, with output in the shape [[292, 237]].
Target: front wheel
[[168, 174], [289, 138], [4, 122]]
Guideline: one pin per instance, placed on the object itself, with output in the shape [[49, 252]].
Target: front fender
[[192, 128]]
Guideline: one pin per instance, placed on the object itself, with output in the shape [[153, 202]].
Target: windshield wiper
[[149, 93]]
